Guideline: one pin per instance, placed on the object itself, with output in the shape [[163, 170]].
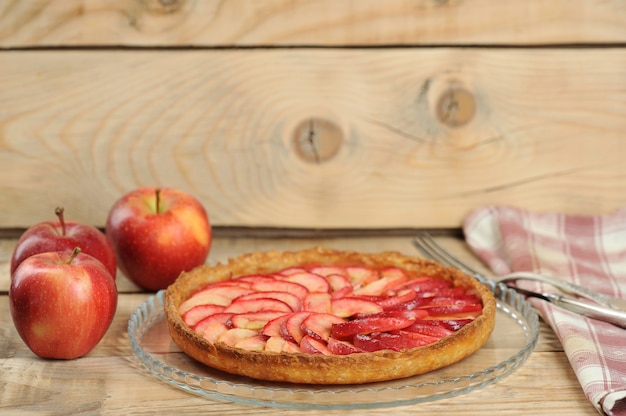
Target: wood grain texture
[[315, 22], [111, 381], [79, 128]]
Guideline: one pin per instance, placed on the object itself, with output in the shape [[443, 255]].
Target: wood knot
[[456, 107], [163, 6], [317, 140]]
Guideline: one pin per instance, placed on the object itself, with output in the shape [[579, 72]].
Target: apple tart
[[323, 316]]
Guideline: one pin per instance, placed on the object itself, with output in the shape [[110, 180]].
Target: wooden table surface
[[110, 380]]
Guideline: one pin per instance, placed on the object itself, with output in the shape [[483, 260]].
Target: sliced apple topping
[[212, 327], [313, 282], [293, 330], [274, 327], [235, 336], [280, 344], [199, 312], [319, 325], [313, 345], [203, 298], [350, 306], [294, 302], [332, 310], [320, 302], [339, 283], [254, 320], [257, 305]]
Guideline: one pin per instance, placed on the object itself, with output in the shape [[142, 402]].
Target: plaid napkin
[[586, 250]]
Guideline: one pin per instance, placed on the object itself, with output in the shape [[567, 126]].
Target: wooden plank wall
[[319, 114]]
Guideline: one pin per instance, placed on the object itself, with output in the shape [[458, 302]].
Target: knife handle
[[590, 310], [564, 286]]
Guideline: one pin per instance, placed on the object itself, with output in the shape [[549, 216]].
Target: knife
[[606, 314], [571, 288]]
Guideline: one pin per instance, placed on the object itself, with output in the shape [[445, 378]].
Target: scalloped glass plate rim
[[512, 305]]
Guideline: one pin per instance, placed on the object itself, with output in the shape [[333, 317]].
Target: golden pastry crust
[[326, 369]]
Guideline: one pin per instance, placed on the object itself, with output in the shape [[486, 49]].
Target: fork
[[608, 309]]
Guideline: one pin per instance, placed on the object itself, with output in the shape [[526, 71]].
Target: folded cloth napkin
[[586, 250]]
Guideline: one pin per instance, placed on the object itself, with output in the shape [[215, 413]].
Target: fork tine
[[430, 248], [422, 243]]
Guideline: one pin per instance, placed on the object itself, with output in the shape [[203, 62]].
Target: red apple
[[64, 235], [62, 303], [157, 233]]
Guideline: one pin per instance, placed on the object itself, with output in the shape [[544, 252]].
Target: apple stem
[[157, 191], [59, 213], [73, 255]]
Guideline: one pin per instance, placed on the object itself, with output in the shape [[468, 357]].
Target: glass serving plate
[[513, 339]]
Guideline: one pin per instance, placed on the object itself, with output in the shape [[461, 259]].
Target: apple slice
[[408, 305], [290, 347], [319, 302], [387, 284], [199, 312], [403, 296], [345, 330], [227, 282], [229, 288], [292, 270], [455, 316], [278, 285], [275, 343], [329, 270], [318, 325], [395, 342], [342, 293], [444, 292], [339, 283], [257, 305], [452, 300], [213, 321], [293, 330], [339, 347], [429, 327], [361, 276], [203, 298], [453, 309], [274, 327], [412, 314], [368, 343], [254, 320], [289, 298], [251, 279], [280, 344], [311, 345], [454, 324], [313, 282], [350, 306], [254, 343], [426, 284], [395, 276], [374, 288], [213, 331], [395, 284], [418, 338], [234, 335]]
